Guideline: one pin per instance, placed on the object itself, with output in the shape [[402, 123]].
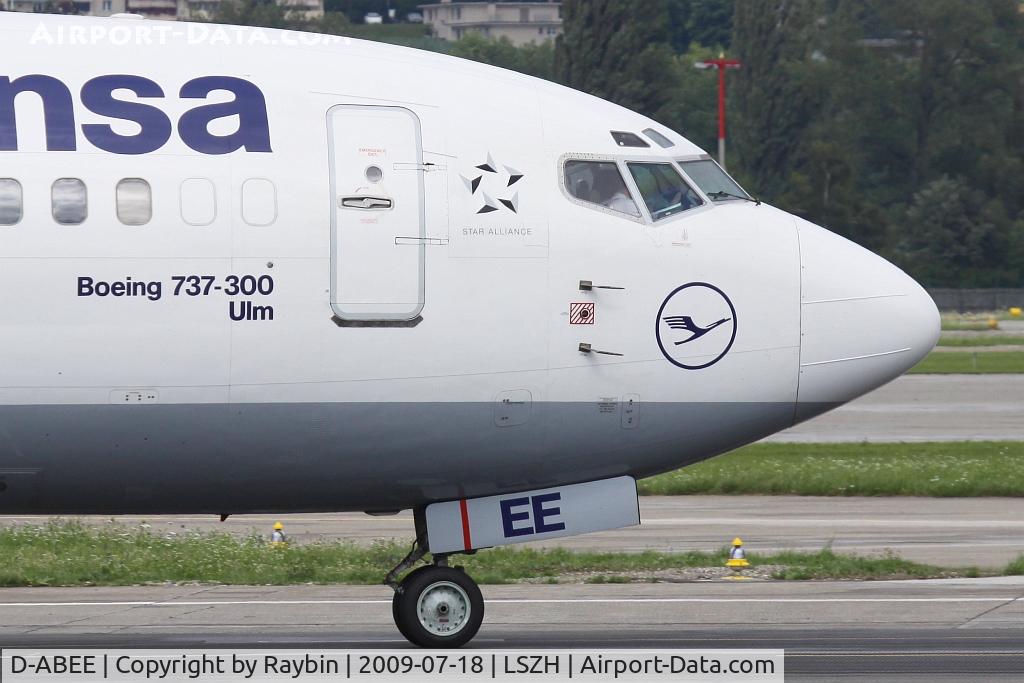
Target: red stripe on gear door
[[467, 540]]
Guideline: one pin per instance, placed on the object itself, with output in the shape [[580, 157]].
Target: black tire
[[397, 600], [438, 583]]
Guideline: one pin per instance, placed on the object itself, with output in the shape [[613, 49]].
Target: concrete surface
[[966, 628], [925, 408]]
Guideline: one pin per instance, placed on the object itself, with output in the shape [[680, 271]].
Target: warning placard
[[581, 314]]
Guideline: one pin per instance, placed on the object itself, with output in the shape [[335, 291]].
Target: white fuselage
[[322, 313]]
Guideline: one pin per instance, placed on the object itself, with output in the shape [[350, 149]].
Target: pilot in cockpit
[[610, 191]]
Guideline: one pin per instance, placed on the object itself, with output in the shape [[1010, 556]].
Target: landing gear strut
[[436, 605]]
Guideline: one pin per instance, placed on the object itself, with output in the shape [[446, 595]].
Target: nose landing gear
[[435, 606], [438, 607]]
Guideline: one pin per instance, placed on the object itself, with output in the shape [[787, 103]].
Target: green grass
[[974, 321], [68, 553], [953, 469], [993, 340], [971, 326], [967, 363]]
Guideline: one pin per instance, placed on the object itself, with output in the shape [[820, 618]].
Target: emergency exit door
[[377, 221]]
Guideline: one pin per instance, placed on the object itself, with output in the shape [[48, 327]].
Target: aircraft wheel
[[438, 607]]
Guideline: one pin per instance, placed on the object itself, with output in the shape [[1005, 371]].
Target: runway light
[[277, 538], [993, 323], [1015, 311], [737, 559]]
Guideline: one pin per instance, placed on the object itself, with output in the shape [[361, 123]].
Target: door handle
[[366, 203], [587, 285]]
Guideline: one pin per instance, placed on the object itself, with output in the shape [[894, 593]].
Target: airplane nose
[[864, 322]]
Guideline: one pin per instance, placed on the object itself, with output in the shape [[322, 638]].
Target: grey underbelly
[[79, 459]]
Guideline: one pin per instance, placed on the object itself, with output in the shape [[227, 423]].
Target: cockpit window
[[715, 183], [662, 141], [624, 139], [663, 189], [599, 182]]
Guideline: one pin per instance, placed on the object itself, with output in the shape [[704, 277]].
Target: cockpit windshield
[[715, 183], [599, 182], [663, 189]]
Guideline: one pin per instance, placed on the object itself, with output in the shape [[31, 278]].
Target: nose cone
[[864, 322]]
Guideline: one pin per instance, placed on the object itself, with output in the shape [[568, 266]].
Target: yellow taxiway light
[[737, 559], [277, 538]]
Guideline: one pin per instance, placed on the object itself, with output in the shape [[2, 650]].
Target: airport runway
[[942, 630], [984, 532], [925, 408]]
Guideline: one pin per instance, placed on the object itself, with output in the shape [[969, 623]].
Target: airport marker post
[[721, 64]]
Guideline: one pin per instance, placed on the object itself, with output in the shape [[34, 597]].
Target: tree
[[705, 22], [775, 98], [692, 109], [617, 50], [955, 58], [533, 59], [956, 236]]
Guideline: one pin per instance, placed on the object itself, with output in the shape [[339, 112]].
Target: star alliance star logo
[[490, 178]]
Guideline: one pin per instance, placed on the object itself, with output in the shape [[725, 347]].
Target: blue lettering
[[540, 513], [98, 97], [58, 112], [509, 518], [249, 106]]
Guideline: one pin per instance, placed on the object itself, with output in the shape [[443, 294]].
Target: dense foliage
[[895, 122], [898, 123]]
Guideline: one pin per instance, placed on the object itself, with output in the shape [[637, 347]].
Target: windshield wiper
[[723, 193]]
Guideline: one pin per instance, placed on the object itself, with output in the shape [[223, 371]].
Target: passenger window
[[134, 201], [663, 189], [10, 201], [600, 183], [259, 202], [70, 201], [198, 202]]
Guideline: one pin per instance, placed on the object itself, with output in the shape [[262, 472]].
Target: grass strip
[[994, 340], [68, 553], [966, 363], [942, 469], [957, 326]]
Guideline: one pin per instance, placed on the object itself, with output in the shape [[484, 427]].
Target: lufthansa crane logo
[[696, 326], [495, 186]]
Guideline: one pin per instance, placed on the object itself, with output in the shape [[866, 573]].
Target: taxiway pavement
[[924, 408], [943, 630]]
